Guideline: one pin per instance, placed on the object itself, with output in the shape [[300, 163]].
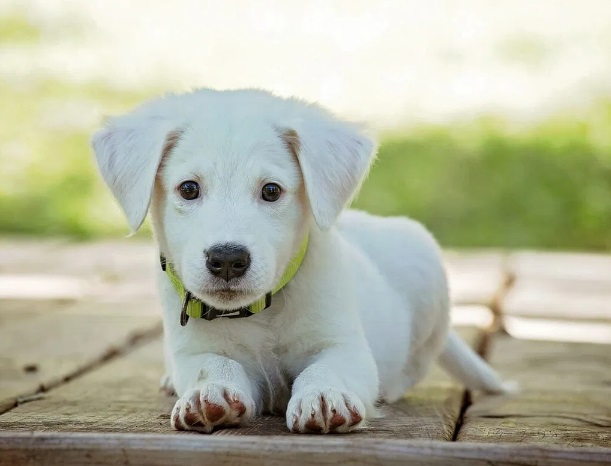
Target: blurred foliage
[[484, 184], [474, 184], [479, 183], [50, 182], [17, 28]]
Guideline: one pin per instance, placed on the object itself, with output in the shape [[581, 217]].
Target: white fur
[[364, 317]]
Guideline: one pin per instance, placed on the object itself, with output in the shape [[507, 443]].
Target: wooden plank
[[66, 307], [564, 397], [583, 268], [41, 348], [560, 286], [476, 277], [117, 257], [123, 396], [111, 271], [16, 251], [473, 315], [123, 269], [558, 300], [558, 330], [152, 450]]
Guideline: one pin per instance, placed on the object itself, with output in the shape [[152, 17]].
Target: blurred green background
[[483, 181]]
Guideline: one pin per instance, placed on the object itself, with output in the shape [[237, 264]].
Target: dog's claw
[[210, 407], [332, 411]]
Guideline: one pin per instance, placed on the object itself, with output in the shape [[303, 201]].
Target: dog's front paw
[[323, 411], [211, 406]]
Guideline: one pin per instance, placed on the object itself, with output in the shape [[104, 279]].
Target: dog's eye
[[189, 190], [271, 192]]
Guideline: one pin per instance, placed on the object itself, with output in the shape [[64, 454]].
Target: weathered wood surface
[[117, 257], [476, 277], [558, 330], [428, 411], [112, 271], [80, 354], [123, 269], [560, 286], [39, 350], [564, 396], [472, 315], [65, 308], [346, 450], [124, 396]]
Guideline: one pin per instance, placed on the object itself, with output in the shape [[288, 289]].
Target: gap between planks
[[450, 429], [482, 348], [132, 342], [495, 305], [563, 397], [123, 396]]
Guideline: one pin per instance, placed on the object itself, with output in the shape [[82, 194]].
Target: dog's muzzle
[[194, 307]]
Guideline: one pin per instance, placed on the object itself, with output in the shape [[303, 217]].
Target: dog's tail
[[467, 366]]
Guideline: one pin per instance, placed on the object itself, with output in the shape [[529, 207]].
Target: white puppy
[[246, 192]]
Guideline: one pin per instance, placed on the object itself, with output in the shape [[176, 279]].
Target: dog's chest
[[260, 349], [273, 346]]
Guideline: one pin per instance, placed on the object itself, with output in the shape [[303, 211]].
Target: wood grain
[[109, 271], [560, 286], [579, 331], [123, 396], [64, 308], [475, 277], [579, 268], [120, 258], [41, 347], [151, 450], [82, 359], [564, 397]]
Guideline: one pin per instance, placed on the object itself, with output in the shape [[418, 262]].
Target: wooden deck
[[81, 358]]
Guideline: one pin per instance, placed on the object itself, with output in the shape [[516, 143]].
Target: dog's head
[[233, 180]]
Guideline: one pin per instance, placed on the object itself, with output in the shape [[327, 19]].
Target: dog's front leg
[[334, 392], [214, 392]]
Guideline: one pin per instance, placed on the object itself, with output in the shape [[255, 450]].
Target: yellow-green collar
[[193, 307]]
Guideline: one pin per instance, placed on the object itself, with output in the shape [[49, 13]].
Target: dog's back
[[408, 258]]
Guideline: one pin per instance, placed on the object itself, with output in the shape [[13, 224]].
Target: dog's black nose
[[227, 261]]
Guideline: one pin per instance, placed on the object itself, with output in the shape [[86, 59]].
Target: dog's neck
[[194, 307]]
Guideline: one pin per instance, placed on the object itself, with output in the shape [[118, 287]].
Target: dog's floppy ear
[[129, 151], [334, 157]]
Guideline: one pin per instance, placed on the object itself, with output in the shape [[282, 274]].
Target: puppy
[[276, 299]]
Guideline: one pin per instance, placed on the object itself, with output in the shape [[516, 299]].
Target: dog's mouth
[[228, 296]]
